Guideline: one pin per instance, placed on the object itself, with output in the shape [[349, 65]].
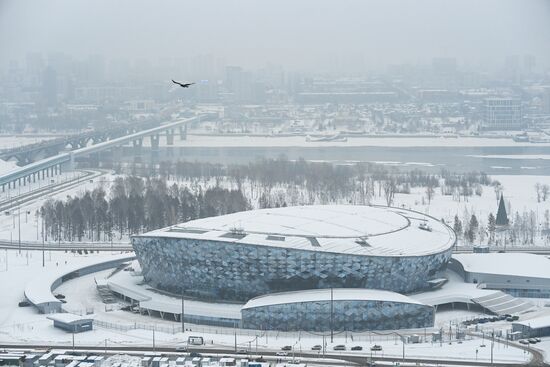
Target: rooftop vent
[[362, 241], [314, 241], [187, 230], [425, 227], [275, 238], [235, 233]]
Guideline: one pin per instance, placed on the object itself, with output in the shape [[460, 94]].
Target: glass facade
[[218, 270], [353, 315]]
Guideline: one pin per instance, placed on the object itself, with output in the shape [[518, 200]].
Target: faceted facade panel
[[218, 270], [346, 315]]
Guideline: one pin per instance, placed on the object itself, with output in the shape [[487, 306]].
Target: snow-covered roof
[[538, 322], [349, 229], [39, 289], [339, 294], [511, 264], [68, 318]]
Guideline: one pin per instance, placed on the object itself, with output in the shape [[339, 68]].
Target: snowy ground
[[519, 194], [26, 213], [518, 191]]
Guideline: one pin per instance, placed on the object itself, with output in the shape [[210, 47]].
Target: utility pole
[[492, 346], [154, 338], [235, 331], [43, 245], [19, 225], [331, 315], [73, 340], [403, 341], [182, 313]]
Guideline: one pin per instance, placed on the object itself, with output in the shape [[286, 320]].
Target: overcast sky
[[299, 34]]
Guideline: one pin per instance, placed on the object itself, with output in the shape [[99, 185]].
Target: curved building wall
[[235, 271], [347, 315]]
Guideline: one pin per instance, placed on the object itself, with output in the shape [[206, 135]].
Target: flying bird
[[183, 85]]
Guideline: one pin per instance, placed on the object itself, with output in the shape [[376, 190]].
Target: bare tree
[[538, 191], [545, 190], [430, 192], [389, 191]]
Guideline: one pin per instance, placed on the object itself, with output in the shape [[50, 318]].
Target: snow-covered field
[[519, 193], [26, 213]]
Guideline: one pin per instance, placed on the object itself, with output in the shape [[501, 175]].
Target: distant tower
[[502, 217]]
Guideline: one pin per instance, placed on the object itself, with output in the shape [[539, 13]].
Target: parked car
[[376, 348], [286, 347], [532, 341], [339, 347], [357, 347], [182, 348], [281, 354], [24, 304], [195, 355], [316, 347], [523, 341], [242, 351]]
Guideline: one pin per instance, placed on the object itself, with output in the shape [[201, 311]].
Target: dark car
[[195, 355], [339, 347], [24, 304], [286, 347], [376, 348], [357, 347], [316, 347]]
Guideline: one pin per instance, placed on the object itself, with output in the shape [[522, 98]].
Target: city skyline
[[316, 36]]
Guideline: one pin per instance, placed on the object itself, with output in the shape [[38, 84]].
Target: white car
[[281, 354]]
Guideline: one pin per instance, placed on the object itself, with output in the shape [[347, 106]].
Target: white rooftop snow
[[67, 318], [511, 264], [39, 289], [339, 294], [337, 228], [538, 322]]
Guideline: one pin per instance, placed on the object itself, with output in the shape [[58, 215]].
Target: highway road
[[359, 358]]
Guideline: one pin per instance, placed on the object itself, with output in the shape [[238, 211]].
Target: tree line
[[133, 205]]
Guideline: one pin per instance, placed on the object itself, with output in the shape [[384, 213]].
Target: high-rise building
[[49, 86], [546, 100], [502, 114]]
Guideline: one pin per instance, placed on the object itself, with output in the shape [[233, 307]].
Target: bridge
[[33, 152], [51, 166]]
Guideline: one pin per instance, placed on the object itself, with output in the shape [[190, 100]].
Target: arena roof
[[349, 229], [506, 264], [318, 295]]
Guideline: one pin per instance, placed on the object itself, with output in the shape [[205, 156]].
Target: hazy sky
[[294, 33]]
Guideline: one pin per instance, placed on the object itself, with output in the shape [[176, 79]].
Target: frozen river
[[508, 159]]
